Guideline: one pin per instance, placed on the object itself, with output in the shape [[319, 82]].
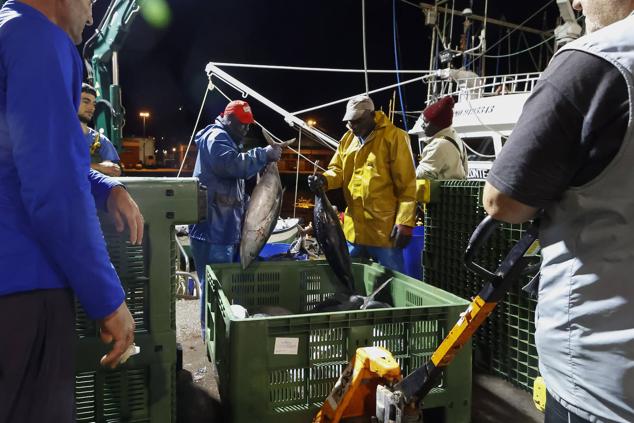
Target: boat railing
[[479, 87]]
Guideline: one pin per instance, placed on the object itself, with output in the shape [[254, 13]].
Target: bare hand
[[108, 168], [117, 327], [122, 207]]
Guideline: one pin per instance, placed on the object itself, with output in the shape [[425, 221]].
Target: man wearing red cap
[[222, 167], [444, 156]]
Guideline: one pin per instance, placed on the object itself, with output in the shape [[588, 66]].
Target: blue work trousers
[[206, 253], [388, 257]]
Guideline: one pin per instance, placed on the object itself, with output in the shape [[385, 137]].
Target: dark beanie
[[440, 113]]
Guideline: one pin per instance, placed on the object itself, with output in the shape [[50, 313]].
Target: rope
[[314, 69], [365, 55], [480, 120], [398, 77], [200, 112], [548, 3], [299, 149], [453, 5], [343, 100], [486, 156], [500, 56], [273, 135]]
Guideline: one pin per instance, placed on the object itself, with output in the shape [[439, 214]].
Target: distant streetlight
[[311, 122], [144, 116], [173, 149]]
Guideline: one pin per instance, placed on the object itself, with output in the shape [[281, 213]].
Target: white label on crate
[[286, 346]]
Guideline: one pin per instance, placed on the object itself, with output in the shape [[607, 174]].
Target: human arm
[[110, 161], [565, 136], [504, 208], [226, 161], [51, 161], [434, 159], [111, 196], [334, 174], [116, 328], [107, 168], [404, 180]]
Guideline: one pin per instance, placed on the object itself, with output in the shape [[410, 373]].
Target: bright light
[[144, 114], [174, 149], [311, 122]]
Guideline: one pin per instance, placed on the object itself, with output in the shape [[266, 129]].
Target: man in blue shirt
[[103, 155], [222, 167], [51, 244]]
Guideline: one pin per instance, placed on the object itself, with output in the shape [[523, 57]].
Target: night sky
[[162, 70]]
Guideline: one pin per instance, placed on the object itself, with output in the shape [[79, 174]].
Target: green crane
[[101, 56]]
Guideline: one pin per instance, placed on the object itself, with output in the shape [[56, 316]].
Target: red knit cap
[[440, 113]]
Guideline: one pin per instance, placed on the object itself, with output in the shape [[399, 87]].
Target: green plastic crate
[[259, 383], [505, 344], [143, 389]]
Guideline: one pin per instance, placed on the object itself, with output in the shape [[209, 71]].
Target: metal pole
[[212, 69], [489, 20]]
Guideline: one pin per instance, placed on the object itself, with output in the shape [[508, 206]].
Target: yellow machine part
[[355, 391], [539, 393], [469, 322]]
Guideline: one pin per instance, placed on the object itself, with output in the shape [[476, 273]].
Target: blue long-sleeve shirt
[[222, 167], [49, 232]]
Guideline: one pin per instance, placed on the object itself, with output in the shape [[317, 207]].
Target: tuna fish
[[263, 210], [332, 241]]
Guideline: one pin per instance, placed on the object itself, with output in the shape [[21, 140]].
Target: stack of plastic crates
[[280, 369], [505, 344], [143, 389]]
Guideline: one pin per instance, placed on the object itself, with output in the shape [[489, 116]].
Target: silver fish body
[[261, 215]]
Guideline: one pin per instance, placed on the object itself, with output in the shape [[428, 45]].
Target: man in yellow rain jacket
[[374, 166]]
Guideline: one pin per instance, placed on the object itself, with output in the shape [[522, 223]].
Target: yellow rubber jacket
[[378, 180]]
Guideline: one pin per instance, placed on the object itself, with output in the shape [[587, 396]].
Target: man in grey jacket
[[571, 155]]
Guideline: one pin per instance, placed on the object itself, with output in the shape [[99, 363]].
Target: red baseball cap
[[239, 109]]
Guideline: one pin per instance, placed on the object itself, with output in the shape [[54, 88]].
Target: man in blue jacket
[[51, 245], [223, 167]]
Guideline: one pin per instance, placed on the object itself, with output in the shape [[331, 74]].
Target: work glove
[[401, 235], [316, 183], [273, 153]]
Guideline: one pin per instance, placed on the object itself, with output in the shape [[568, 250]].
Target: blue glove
[[273, 153], [317, 183]]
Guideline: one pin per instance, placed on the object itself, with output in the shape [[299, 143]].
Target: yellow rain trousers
[[378, 180]]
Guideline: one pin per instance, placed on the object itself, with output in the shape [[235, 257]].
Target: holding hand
[[401, 235], [122, 207], [118, 327], [273, 152], [317, 183]]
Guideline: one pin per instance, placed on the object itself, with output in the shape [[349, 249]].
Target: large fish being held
[[332, 241], [263, 210]]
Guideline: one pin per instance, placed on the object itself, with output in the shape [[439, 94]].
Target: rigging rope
[[398, 77], [200, 112], [343, 100], [299, 149], [548, 3], [365, 55], [316, 69]]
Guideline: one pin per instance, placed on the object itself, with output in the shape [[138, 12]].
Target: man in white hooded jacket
[[445, 155]]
